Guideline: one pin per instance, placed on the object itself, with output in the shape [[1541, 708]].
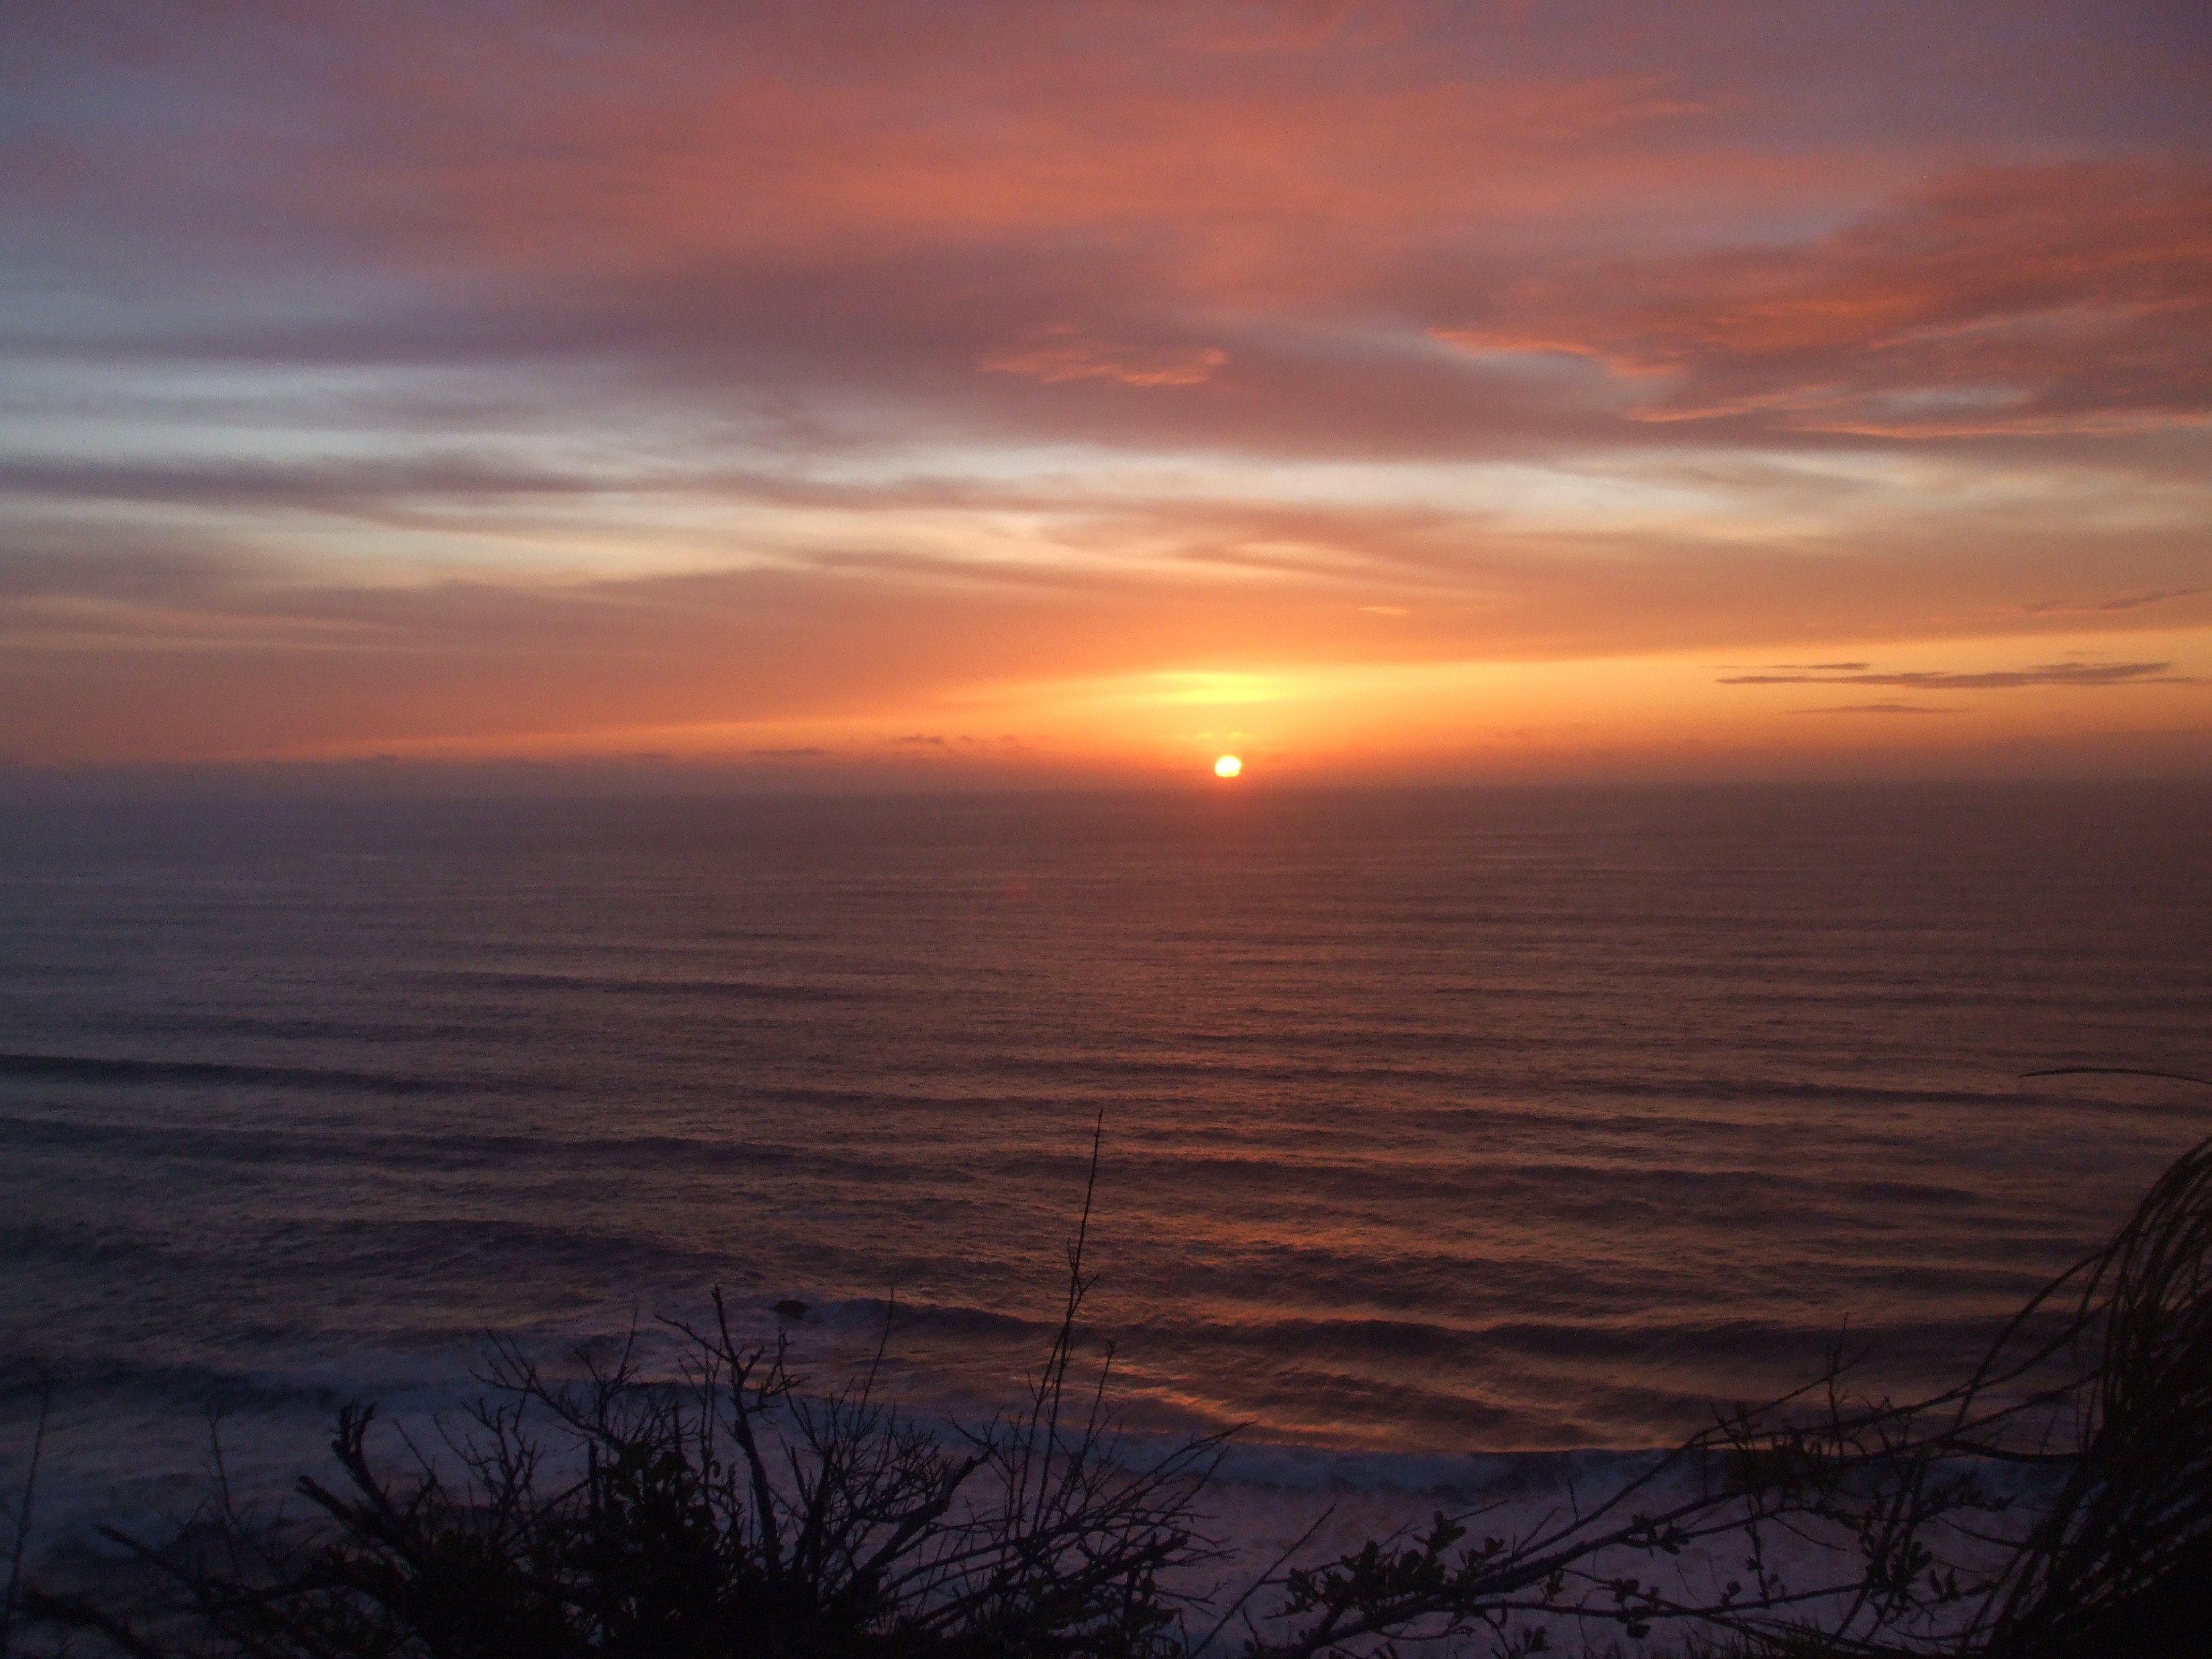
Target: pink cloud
[[1057, 351], [2023, 300]]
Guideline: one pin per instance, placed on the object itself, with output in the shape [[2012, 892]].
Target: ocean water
[[1432, 1124]]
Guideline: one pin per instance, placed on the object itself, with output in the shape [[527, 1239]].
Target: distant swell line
[[90, 1068], [735, 990]]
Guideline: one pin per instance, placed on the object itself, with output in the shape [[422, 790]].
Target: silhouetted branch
[[729, 1512]]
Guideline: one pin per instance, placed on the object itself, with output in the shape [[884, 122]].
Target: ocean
[[1432, 1124]]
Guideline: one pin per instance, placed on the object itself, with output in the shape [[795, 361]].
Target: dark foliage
[[2125, 1553], [1908, 1540], [19, 1528], [2056, 1504], [730, 1515]]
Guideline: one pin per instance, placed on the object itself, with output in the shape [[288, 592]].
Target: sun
[[1227, 767]]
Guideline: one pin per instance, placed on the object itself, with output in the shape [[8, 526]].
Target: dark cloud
[[333, 486], [1880, 709], [2106, 607], [167, 571], [2057, 673]]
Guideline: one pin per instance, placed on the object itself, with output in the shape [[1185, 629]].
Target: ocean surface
[[1431, 1123]]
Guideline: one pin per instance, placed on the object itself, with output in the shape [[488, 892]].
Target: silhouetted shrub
[[732, 1515]]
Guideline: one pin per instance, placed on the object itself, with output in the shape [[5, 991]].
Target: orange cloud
[[1056, 352]]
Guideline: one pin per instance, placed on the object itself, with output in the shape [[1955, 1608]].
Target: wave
[[732, 990], [94, 1068], [1237, 1061], [298, 1028]]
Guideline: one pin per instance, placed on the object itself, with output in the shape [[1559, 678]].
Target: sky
[[968, 393]]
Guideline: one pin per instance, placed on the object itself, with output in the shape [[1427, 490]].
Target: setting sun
[[1227, 767]]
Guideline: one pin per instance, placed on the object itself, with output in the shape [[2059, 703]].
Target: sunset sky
[[960, 392]]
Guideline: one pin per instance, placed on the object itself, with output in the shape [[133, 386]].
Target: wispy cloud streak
[[2055, 673]]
